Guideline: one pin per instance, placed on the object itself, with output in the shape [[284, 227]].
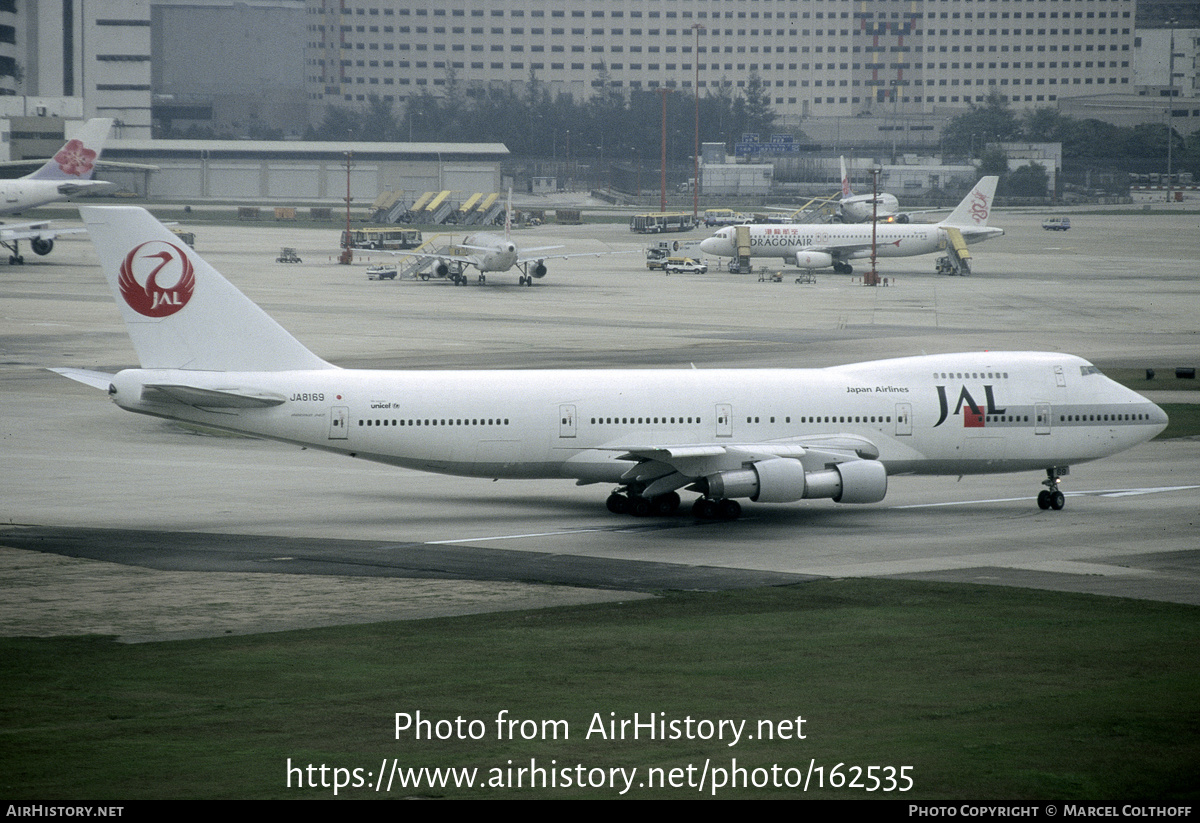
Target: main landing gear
[[1050, 497], [665, 505]]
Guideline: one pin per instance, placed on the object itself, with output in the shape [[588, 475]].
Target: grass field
[[984, 692]]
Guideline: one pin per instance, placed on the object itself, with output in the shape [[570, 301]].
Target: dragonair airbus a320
[[212, 357], [811, 246]]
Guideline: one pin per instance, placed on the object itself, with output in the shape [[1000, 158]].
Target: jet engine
[[538, 269], [781, 480], [442, 269], [809, 259], [41, 245]]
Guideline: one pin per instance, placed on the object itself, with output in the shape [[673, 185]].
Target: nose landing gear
[[1051, 497]]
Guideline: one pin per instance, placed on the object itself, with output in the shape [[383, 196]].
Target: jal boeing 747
[[211, 357], [833, 246], [68, 173]]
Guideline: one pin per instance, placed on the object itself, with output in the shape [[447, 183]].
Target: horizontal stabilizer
[[212, 398], [96, 379]]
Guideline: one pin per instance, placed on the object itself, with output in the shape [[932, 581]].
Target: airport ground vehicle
[[658, 222], [684, 265], [1056, 223], [381, 273], [383, 238]]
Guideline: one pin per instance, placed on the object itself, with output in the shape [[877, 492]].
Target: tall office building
[[816, 57]]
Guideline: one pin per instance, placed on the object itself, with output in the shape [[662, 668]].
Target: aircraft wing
[[42, 229], [838, 250], [526, 257], [665, 468], [458, 258]]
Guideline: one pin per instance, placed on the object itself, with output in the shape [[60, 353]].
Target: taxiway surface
[[78, 475]]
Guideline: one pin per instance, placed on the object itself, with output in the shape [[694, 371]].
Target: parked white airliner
[[212, 357], [863, 208], [68, 173], [812, 246], [489, 252]]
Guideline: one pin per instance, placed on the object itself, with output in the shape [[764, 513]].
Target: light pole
[[696, 28], [1170, 106], [662, 206], [872, 277], [347, 256]]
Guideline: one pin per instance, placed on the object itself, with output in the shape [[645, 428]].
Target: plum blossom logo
[[156, 279], [75, 159]]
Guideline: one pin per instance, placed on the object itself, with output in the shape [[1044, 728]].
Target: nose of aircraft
[[713, 245], [1158, 417]]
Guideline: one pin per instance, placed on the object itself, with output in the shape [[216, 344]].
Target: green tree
[[756, 108], [993, 162], [970, 132], [1029, 180]]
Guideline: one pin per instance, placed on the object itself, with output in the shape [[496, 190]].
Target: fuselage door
[[1060, 380], [566, 421], [724, 420], [1041, 418], [903, 419], [339, 423]]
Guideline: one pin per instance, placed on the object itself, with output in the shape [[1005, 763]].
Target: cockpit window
[[1088, 369]]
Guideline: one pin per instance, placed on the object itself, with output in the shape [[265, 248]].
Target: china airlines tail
[[180, 312], [76, 160], [975, 208]]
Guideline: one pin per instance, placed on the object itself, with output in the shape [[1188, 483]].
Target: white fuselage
[[491, 252], [22, 194], [845, 242], [861, 208], [937, 414]]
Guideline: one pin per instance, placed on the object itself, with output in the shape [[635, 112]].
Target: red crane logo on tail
[[157, 279], [75, 159]]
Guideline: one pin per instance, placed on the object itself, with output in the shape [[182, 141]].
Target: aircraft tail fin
[[976, 207], [77, 159], [845, 179], [180, 312]]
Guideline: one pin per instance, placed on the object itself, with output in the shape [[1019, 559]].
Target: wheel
[[640, 507], [617, 503], [424, 275], [729, 509], [1057, 500], [1043, 500], [666, 504], [704, 509]]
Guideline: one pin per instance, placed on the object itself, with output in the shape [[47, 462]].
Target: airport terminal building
[[817, 58]]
